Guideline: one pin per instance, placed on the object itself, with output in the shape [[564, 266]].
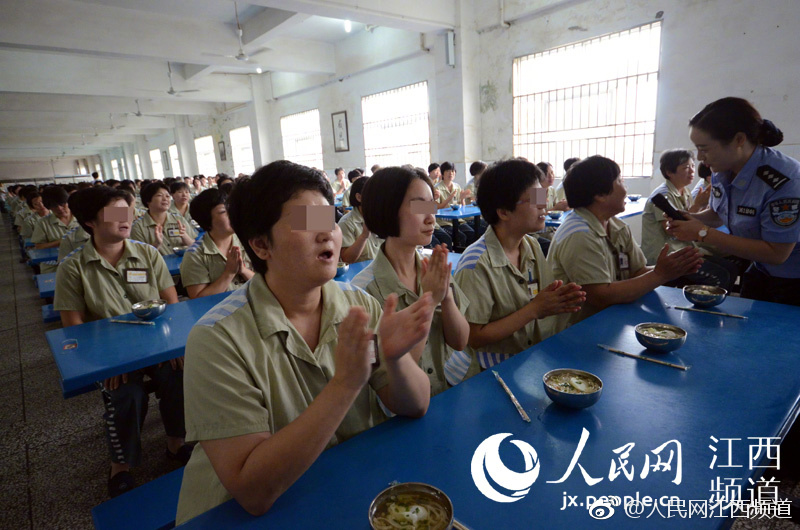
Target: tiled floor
[[53, 456]]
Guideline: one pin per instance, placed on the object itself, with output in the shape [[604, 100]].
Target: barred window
[[206, 158], [396, 127], [242, 151], [592, 97], [302, 140], [155, 161], [175, 161]]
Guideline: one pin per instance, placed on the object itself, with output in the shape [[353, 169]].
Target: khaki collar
[[497, 256], [614, 224], [388, 281], [90, 254]]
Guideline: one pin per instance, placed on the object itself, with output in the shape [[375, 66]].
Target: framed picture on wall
[[165, 160], [222, 155], [341, 136]]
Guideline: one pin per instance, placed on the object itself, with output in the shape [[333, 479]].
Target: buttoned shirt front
[[583, 253], [144, 229], [496, 288], [86, 282], [248, 370], [763, 202], [380, 280]]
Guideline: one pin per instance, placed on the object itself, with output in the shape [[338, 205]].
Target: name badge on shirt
[[136, 275], [173, 232], [533, 286], [624, 261], [372, 351]]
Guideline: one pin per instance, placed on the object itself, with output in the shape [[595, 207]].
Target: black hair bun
[[770, 135]]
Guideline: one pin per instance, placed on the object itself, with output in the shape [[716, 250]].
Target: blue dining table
[[94, 351], [688, 429], [41, 255], [355, 268], [456, 215], [632, 209]]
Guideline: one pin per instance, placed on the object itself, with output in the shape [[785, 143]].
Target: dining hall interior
[[151, 90]]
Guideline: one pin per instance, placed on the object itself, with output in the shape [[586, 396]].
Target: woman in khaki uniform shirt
[[159, 227]]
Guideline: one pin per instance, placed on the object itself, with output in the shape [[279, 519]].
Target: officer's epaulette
[[774, 178]]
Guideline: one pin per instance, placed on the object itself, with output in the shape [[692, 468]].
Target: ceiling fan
[[241, 56], [111, 120], [139, 113], [172, 91]]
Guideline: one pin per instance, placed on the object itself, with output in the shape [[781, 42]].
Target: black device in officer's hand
[[663, 204]]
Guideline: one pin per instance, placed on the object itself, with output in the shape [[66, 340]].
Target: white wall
[[39, 170], [709, 49]]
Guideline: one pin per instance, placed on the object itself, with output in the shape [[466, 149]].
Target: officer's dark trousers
[[126, 408]]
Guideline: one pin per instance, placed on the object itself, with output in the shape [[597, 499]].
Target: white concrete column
[[457, 96], [260, 115], [142, 148], [184, 139], [105, 161], [128, 150]]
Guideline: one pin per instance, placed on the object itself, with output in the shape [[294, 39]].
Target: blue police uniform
[[763, 202]]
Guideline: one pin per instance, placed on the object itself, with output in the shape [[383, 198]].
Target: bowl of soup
[[554, 215], [659, 337], [455, 206], [411, 505], [149, 309], [633, 197], [705, 295], [572, 388]]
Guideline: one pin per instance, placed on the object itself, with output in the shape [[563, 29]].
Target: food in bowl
[[660, 337], [634, 197], [572, 388], [342, 268], [149, 309], [705, 295], [455, 206], [554, 215], [411, 505]]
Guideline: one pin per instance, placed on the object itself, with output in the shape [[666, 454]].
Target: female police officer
[[755, 193]]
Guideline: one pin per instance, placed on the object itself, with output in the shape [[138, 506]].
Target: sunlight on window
[[115, 168], [138, 166], [206, 159], [242, 151], [158, 167], [175, 161], [592, 97], [396, 127], [302, 140]]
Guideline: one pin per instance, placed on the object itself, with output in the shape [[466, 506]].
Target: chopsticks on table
[[512, 396], [696, 310], [626, 354], [138, 322]]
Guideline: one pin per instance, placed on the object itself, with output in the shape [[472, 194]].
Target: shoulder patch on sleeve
[[784, 212], [774, 178]]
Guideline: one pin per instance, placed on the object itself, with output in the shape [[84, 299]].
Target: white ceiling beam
[[78, 104], [49, 73], [270, 23], [411, 15], [48, 119]]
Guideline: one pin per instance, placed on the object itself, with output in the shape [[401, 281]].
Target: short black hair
[[200, 208], [29, 196], [95, 175], [502, 185], [354, 174], [256, 203], [433, 167], [357, 187], [149, 191], [53, 196], [337, 170], [672, 158], [383, 196], [226, 187], [477, 167], [177, 186], [543, 167], [589, 178], [127, 185], [85, 204], [446, 166], [703, 171], [112, 183], [569, 162]]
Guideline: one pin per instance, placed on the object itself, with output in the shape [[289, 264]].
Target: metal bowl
[[705, 295], [554, 215], [660, 344], [411, 488], [575, 401], [633, 197], [341, 269], [180, 251], [455, 206], [149, 309]]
